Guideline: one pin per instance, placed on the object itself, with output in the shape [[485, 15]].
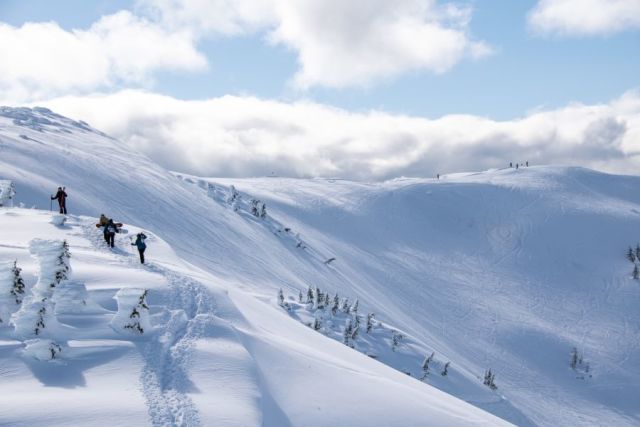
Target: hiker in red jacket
[[61, 196]]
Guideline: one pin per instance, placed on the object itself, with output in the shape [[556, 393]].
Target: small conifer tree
[[18, 284], [348, 332], [344, 306], [631, 256], [300, 296], [336, 304], [309, 295], [134, 323], [573, 361], [396, 338], [425, 364], [489, 379], [636, 272], [638, 251], [280, 298], [354, 307], [445, 371], [370, 318]]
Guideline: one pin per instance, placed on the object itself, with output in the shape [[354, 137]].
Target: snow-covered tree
[[356, 327], [300, 296], [445, 370], [233, 195], [43, 349], [133, 311], [347, 333], [425, 363], [636, 272], [280, 298], [344, 306], [354, 307], [336, 304], [370, 318], [317, 324], [11, 290], [258, 208], [318, 296], [631, 256], [489, 379], [574, 358], [35, 318], [309, 295], [396, 338], [638, 251], [17, 289]]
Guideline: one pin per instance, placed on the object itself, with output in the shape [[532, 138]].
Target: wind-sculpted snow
[[504, 270]]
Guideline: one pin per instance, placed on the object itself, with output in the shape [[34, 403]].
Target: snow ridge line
[[164, 378]]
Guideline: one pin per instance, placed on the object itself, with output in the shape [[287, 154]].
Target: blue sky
[[526, 71], [365, 89]]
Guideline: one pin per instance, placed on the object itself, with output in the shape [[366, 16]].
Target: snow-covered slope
[[219, 352], [504, 269]]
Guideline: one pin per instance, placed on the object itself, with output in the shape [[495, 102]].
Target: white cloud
[[339, 43], [42, 59], [585, 17], [244, 136]]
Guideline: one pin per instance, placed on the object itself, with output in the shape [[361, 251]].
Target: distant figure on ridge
[[61, 196], [141, 245]]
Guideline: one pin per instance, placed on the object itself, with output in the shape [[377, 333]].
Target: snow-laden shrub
[[133, 312], [70, 297], [11, 290], [489, 379], [36, 318], [7, 192], [58, 219], [53, 256], [43, 349]]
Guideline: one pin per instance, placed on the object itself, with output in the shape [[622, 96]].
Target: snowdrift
[[504, 270]]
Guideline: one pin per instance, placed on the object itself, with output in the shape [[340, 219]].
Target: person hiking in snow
[[110, 230], [61, 196], [102, 223], [141, 245]]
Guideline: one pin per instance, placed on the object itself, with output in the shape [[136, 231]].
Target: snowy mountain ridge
[[503, 270]]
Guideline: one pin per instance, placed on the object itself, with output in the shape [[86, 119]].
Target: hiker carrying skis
[[141, 245], [110, 230], [102, 223], [61, 196]]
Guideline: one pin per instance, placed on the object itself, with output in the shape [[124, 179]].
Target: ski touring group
[[109, 230], [108, 226]]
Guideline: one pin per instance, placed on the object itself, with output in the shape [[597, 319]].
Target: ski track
[[164, 378]]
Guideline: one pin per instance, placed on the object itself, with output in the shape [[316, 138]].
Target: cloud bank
[[42, 59], [245, 136], [584, 17]]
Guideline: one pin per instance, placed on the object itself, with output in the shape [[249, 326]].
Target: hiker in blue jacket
[[141, 245]]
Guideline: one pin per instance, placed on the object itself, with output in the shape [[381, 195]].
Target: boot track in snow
[[164, 378]]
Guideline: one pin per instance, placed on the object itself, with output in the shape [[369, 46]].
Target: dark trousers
[[63, 207], [141, 252], [111, 237]]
